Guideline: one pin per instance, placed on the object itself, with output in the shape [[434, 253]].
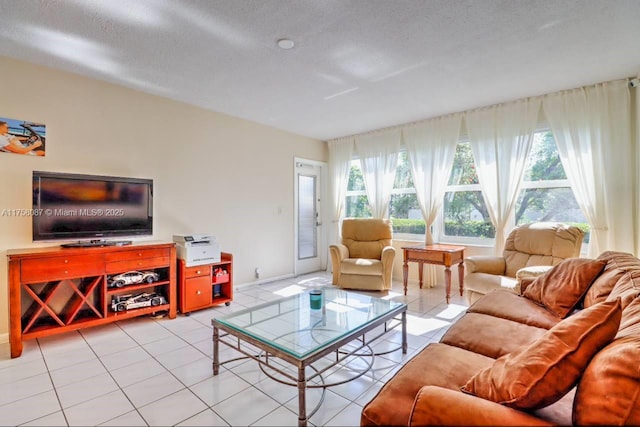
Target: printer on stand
[[197, 249]]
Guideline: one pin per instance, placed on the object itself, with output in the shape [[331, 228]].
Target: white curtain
[[431, 148], [592, 129], [501, 137], [378, 154], [340, 155]]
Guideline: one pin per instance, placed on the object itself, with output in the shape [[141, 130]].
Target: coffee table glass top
[[292, 326]]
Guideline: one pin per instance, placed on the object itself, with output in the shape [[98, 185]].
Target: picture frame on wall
[[22, 137]]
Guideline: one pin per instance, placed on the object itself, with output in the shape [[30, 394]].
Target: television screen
[[72, 206]]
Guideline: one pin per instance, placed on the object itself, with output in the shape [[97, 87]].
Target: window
[[545, 196], [404, 210], [464, 211], [356, 204]]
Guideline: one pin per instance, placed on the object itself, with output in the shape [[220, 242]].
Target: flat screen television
[[90, 208]]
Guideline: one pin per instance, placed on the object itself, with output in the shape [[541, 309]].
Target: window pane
[[403, 178], [463, 171], [550, 204], [357, 207], [405, 214], [465, 214], [544, 163], [356, 179]]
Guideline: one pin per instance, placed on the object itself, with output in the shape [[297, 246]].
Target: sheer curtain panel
[[378, 153], [340, 155], [501, 137], [431, 147], [592, 129]]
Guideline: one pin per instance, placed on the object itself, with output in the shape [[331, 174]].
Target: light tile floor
[[149, 371]]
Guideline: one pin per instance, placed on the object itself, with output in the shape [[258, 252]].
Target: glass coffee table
[[288, 329]]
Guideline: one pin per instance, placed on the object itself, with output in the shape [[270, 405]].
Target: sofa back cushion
[[621, 272], [545, 370], [560, 289], [541, 243], [366, 237]]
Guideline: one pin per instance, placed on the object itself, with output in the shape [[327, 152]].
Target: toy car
[[132, 278], [128, 302]]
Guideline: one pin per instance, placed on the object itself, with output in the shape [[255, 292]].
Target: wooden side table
[[446, 255]]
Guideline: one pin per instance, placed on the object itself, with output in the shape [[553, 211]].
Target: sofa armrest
[[445, 407], [388, 257], [338, 253], [486, 264]]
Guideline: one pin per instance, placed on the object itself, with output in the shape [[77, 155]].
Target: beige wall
[[212, 172]]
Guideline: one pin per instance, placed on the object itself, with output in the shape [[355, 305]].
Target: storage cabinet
[[206, 285], [55, 290]]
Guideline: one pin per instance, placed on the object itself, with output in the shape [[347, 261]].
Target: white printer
[[197, 249]]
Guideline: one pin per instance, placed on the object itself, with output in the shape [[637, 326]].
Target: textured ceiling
[[358, 65]]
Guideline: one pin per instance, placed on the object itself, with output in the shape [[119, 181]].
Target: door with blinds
[[309, 224]]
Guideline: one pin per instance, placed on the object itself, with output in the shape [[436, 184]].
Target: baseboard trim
[[4, 338], [263, 281]]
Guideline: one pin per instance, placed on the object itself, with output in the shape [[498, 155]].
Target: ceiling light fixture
[[286, 44]]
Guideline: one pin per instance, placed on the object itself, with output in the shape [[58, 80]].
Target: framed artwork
[[22, 137]]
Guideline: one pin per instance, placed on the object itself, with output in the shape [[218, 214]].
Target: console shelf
[[206, 285], [54, 290]]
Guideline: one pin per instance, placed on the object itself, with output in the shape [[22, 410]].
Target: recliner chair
[[530, 250], [364, 259]]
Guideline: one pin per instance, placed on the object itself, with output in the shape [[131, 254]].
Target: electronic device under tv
[[87, 209]]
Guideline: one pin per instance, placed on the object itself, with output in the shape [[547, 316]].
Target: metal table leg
[[302, 400], [216, 343]]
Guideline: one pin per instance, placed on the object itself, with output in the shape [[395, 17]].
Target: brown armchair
[[530, 250], [364, 259]]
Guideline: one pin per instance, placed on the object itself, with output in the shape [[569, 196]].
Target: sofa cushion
[[489, 335], [544, 371], [561, 288], [609, 391], [618, 263], [507, 305], [366, 237], [367, 267], [437, 364]]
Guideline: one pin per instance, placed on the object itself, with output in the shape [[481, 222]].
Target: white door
[[309, 225]]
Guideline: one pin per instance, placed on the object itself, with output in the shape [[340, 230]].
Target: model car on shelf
[[132, 278], [128, 302]]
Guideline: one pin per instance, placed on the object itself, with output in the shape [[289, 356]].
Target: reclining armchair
[[530, 250], [364, 259]]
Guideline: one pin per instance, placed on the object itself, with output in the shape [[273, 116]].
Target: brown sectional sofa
[[501, 325]]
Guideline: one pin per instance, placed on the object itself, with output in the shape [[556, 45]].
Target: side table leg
[[447, 280], [461, 277], [404, 332], [302, 401], [216, 344], [405, 275], [420, 272]]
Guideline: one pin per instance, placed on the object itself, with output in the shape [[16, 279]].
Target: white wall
[[212, 172]]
